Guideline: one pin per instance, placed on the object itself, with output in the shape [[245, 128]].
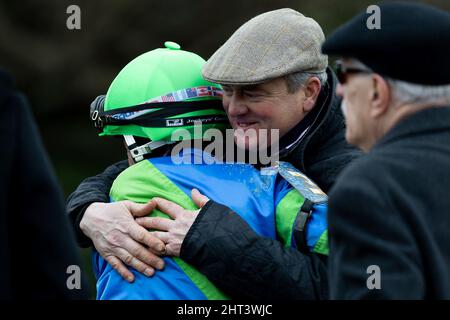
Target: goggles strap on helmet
[[171, 104], [145, 116]]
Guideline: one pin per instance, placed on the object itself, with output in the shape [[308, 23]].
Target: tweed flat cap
[[412, 45], [273, 44]]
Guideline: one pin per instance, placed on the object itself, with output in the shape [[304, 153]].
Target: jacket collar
[[328, 120], [424, 121]]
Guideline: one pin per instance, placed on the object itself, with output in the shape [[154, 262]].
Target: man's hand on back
[[173, 231], [119, 239]]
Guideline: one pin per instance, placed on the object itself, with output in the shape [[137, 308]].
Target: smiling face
[[263, 106]]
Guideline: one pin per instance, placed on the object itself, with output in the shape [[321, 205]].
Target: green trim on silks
[[286, 213], [322, 244], [143, 181]]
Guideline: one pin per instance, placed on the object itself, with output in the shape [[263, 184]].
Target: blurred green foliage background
[[62, 71]]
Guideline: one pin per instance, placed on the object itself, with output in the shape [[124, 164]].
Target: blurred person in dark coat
[[36, 242], [389, 211]]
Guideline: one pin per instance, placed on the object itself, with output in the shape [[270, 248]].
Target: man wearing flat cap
[[274, 76], [389, 211]]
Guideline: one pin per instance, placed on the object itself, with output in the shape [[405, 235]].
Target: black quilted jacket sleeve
[[222, 246], [93, 189]]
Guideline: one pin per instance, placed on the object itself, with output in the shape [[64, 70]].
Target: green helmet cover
[[153, 74]]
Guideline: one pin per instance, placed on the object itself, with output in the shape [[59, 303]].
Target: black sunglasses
[[342, 72]]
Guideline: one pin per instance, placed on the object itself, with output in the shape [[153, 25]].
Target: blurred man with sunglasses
[[389, 215]]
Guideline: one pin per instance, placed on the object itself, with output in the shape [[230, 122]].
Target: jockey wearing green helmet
[[156, 94]]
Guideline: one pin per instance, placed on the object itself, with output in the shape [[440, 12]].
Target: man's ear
[[312, 91], [379, 96]]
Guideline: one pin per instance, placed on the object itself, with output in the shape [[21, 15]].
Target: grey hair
[[406, 92], [298, 79]]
